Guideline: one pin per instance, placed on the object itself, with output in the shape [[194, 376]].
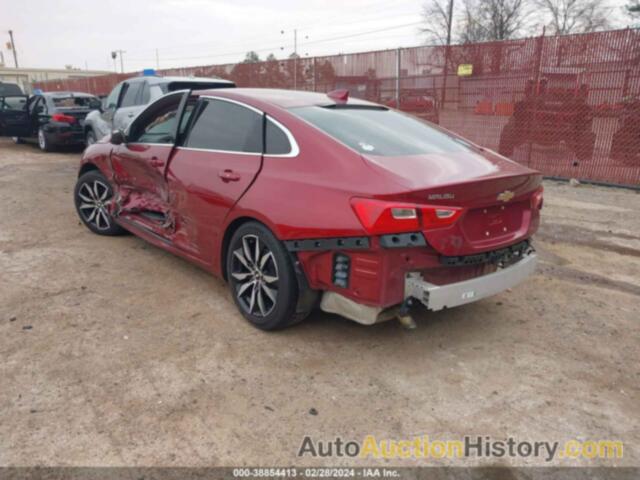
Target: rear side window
[[276, 142], [221, 125], [132, 94], [378, 131], [146, 94]]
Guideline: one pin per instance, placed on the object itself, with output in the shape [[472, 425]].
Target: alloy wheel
[[255, 271], [94, 201]]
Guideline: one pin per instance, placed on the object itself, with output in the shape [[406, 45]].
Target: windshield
[[76, 102], [378, 131]]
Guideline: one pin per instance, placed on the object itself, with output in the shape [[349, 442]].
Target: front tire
[[261, 277], [92, 196], [90, 137], [43, 142]]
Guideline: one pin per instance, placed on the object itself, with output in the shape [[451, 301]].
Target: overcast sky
[[55, 33]]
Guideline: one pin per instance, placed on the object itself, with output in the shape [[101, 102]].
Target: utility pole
[[157, 60], [13, 48]]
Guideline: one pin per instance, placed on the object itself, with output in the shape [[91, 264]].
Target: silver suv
[[129, 97]]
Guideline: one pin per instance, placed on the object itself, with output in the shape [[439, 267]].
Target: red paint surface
[[309, 196]]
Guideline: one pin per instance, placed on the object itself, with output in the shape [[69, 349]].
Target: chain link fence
[[568, 106]]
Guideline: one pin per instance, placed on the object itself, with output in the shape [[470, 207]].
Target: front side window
[[112, 100], [227, 126], [18, 102], [160, 125], [36, 106], [378, 131]]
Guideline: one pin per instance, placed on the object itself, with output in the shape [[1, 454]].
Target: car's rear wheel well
[[87, 167], [231, 229]]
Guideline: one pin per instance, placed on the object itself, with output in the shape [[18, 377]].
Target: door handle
[[130, 115], [156, 162], [229, 176]]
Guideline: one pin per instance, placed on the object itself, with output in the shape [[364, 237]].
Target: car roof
[[280, 97], [156, 80], [66, 94]]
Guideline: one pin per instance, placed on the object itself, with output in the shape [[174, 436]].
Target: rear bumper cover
[[437, 297], [433, 297]]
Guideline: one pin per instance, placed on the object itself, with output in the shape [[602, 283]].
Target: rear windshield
[[76, 102], [377, 131]]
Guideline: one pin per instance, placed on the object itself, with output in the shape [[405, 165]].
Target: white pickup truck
[[129, 97]]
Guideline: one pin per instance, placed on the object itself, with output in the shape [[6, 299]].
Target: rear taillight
[[537, 200], [380, 217], [61, 117]]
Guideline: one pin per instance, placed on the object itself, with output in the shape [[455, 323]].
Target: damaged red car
[[301, 199]]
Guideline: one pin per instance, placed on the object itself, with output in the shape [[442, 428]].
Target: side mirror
[[118, 137]]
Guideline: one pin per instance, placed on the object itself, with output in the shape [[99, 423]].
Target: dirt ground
[[113, 352]]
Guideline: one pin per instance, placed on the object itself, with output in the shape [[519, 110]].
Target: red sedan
[[299, 198]]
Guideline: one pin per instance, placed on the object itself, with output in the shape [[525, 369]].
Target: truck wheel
[[90, 137], [17, 140], [261, 278]]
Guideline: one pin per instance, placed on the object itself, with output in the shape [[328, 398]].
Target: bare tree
[[437, 18], [633, 8], [485, 20], [574, 16]]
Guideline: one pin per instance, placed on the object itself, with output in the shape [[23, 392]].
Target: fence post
[[443, 96], [313, 66], [398, 67], [537, 66]]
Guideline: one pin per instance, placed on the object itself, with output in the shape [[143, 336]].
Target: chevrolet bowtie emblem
[[506, 196]]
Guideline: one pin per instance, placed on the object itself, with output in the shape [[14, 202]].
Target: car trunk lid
[[495, 195]]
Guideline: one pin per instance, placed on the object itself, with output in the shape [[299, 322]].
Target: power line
[[310, 27], [266, 49]]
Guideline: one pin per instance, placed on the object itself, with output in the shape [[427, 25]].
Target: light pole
[[114, 54], [13, 48], [295, 55]]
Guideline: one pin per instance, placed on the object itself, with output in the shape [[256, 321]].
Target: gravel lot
[[113, 352]]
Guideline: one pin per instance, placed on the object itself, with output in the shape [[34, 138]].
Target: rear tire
[[261, 278], [17, 140], [43, 142], [92, 197]]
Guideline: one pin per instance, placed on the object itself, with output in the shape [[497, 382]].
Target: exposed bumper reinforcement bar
[[437, 297]]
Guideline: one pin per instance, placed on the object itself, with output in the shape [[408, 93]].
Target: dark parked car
[[419, 102], [130, 97], [291, 196], [7, 88], [52, 119]]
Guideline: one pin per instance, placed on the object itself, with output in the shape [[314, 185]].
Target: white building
[[25, 76]]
